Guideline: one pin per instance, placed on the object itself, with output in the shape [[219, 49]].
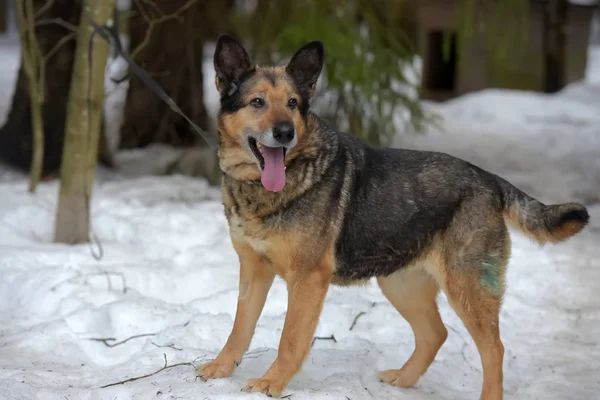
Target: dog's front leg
[[256, 278], [306, 294]]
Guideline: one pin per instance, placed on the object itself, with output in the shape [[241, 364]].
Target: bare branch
[[57, 46], [44, 8], [254, 354], [360, 314], [56, 21], [153, 5], [142, 11], [106, 274], [323, 338], [137, 378], [152, 23], [106, 341], [171, 346]]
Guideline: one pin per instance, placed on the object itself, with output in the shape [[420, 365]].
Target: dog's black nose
[[284, 132]]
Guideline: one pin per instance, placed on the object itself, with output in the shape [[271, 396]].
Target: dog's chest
[[248, 232]]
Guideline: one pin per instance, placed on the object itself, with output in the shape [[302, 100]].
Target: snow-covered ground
[[169, 273]]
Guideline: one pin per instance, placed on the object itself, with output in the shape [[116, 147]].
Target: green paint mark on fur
[[492, 275]]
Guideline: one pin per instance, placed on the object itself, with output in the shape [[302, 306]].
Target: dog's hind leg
[[256, 278], [474, 287], [413, 293]]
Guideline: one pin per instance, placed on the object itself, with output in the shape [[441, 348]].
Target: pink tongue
[[273, 176]]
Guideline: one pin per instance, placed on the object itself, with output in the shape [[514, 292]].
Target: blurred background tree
[[370, 85], [56, 43], [167, 39], [366, 81], [83, 126]]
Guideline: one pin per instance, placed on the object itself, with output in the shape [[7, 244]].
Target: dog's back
[[401, 200]]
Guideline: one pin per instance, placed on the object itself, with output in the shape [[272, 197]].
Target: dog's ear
[[231, 61], [305, 66]]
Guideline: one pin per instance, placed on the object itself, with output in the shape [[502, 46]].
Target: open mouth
[[258, 149], [272, 164]]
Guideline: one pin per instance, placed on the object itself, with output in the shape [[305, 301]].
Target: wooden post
[[3, 15], [555, 44]]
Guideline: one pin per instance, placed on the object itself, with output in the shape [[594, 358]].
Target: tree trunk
[[16, 137], [84, 116], [33, 62], [555, 44], [167, 40]]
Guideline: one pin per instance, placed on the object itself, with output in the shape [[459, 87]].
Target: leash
[[111, 35]]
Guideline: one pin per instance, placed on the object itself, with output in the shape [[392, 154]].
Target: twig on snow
[[171, 346], [107, 340], [137, 378], [360, 314], [323, 338], [254, 354], [106, 274], [199, 357]]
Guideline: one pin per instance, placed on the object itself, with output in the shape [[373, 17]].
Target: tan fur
[[413, 292], [256, 278], [454, 267], [467, 259], [479, 311], [308, 275], [307, 288], [543, 236], [307, 267], [450, 262], [235, 158]]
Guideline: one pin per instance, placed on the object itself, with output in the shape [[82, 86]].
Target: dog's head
[[263, 115]]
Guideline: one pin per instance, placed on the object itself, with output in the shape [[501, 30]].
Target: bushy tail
[[553, 223]]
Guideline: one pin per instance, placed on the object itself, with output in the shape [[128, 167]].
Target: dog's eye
[[257, 102], [292, 102]]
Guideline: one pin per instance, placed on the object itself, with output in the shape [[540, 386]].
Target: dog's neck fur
[[304, 169]]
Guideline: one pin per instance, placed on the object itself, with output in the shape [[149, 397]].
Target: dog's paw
[[215, 369], [264, 385], [398, 377]]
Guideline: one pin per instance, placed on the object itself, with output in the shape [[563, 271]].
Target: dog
[[319, 207]]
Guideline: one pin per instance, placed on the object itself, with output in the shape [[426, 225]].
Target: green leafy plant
[[366, 87]]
